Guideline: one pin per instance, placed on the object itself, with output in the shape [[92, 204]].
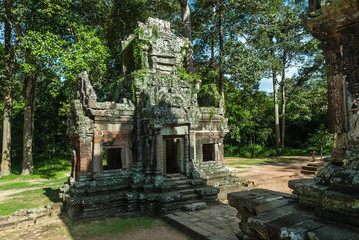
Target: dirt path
[[274, 176], [6, 193]]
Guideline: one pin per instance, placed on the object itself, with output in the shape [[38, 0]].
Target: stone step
[[170, 175], [184, 187], [309, 168], [190, 196], [216, 176], [187, 191], [194, 206], [214, 169], [312, 165], [306, 172], [191, 201], [174, 177], [181, 181]]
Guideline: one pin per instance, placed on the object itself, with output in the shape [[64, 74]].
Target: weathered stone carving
[[139, 155], [333, 193], [85, 92]]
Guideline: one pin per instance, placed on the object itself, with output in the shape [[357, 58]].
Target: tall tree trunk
[[212, 49], [6, 140], [221, 74], [187, 32], [283, 108], [29, 116], [276, 108], [276, 112], [251, 134]]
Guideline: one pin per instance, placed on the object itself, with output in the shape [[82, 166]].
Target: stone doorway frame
[[180, 153], [173, 131]]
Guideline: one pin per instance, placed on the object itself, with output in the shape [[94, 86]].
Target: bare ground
[[274, 176]]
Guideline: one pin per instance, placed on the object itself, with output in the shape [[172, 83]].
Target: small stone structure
[[333, 194], [140, 154]]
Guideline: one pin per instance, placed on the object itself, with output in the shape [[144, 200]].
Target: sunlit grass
[[49, 175], [234, 162], [29, 199]]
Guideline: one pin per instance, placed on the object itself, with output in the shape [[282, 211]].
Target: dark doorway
[[112, 158], [208, 152], [172, 155]]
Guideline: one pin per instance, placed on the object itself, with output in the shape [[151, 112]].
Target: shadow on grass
[[52, 170], [45, 165], [52, 194]]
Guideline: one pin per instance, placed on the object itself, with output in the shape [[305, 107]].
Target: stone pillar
[[139, 130], [159, 152], [186, 155], [97, 157], [83, 145], [333, 192], [192, 145], [198, 84], [73, 163]]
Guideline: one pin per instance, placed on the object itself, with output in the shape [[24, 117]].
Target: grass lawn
[[37, 190], [237, 162]]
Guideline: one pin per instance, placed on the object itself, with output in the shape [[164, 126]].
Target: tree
[[187, 32], [221, 51], [276, 28], [6, 142], [244, 69], [52, 37], [321, 138]]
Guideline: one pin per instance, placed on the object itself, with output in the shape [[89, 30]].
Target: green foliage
[[307, 109], [208, 96], [266, 152], [67, 37], [245, 151], [321, 138], [249, 117]]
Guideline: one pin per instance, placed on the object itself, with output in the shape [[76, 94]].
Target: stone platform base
[[273, 215], [325, 202], [219, 176], [127, 193], [217, 222]]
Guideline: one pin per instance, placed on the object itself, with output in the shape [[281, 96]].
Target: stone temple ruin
[[142, 153], [332, 196]]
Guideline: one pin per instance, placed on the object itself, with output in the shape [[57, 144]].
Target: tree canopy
[[236, 44]]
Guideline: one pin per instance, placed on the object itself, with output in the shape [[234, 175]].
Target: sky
[[266, 84]]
